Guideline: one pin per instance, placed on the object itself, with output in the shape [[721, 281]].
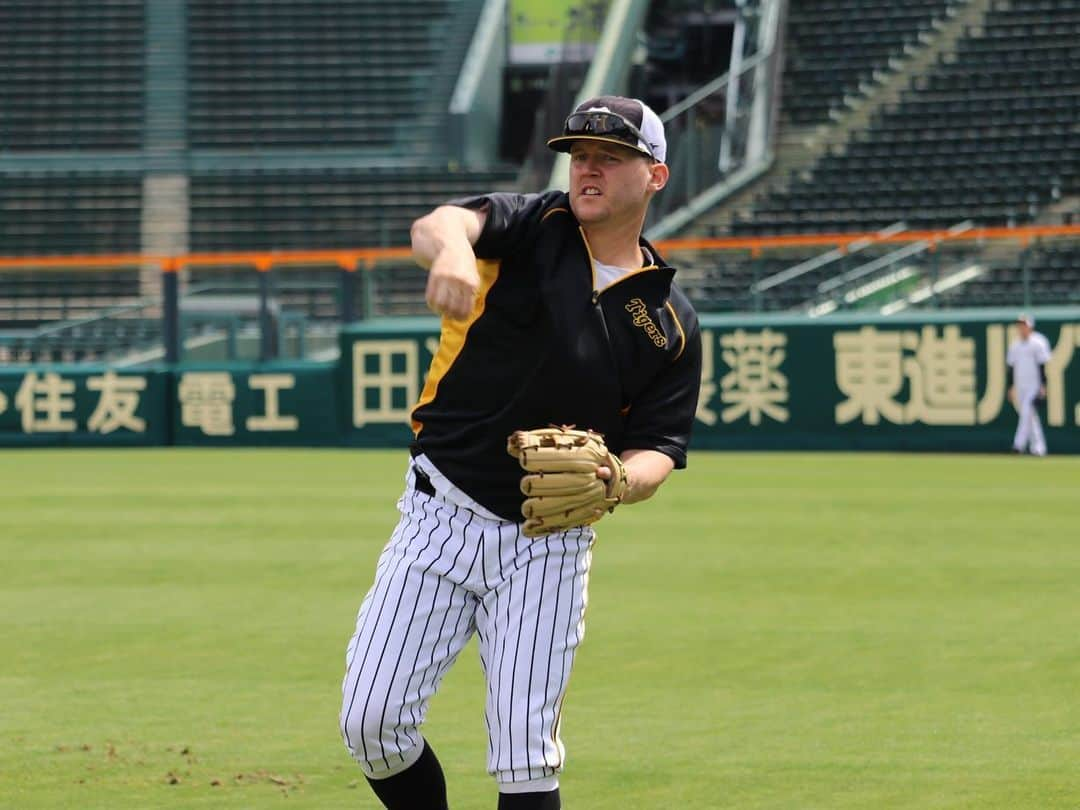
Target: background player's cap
[[1023, 317], [614, 119]]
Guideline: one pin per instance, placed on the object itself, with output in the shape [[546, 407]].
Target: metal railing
[[720, 137], [717, 273], [823, 261], [924, 268], [877, 275]]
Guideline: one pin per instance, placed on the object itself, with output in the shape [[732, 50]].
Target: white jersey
[[1025, 357]]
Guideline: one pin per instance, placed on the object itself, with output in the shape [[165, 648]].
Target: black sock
[[548, 800], [421, 786]]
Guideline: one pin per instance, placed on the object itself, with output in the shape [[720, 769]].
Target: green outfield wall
[[55, 405], [927, 382]]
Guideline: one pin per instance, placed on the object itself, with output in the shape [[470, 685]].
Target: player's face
[[1025, 330], [611, 183]]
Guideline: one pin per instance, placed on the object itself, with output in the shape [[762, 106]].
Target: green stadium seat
[[987, 135], [324, 73], [71, 75]]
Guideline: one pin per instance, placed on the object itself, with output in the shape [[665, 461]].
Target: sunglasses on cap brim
[[606, 124]]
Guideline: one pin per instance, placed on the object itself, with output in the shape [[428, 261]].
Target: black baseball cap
[[614, 119]]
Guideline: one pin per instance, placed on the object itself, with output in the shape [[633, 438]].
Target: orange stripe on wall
[[351, 259]]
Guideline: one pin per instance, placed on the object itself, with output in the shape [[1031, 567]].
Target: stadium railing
[[883, 274], [821, 265], [721, 135], [288, 303]]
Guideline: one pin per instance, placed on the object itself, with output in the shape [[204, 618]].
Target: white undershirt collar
[[608, 274]]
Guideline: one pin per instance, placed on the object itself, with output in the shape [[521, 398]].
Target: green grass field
[[772, 631]]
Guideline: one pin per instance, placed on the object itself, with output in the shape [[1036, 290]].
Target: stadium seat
[[320, 73], [987, 135], [72, 75], [45, 213], [309, 209], [833, 46]]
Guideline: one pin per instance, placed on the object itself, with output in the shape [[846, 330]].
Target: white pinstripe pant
[[448, 572]]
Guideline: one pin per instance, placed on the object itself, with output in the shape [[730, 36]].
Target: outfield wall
[[929, 381]]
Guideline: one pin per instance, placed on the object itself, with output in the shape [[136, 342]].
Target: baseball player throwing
[[1027, 359], [565, 384]]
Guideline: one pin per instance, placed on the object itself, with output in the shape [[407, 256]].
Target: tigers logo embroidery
[[640, 312]]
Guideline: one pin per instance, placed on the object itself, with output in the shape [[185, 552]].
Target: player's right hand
[[452, 284]]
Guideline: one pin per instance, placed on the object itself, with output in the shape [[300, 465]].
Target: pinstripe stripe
[[549, 699], [429, 613], [395, 547], [495, 732], [408, 631], [514, 668], [568, 650], [414, 672], [392, 552], [464, 542], [448, 661], [502, 663], [361, 632], [532, 660], [450, 657], [485, 665], [386, 644], [551, 643], [446, 573], [483, 559], [489, 681]]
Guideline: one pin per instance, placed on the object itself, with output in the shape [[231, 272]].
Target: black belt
[[422, 483]]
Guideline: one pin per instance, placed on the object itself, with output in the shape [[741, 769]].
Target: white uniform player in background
[[1027, 358]]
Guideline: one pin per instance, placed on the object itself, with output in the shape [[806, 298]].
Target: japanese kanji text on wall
[[932, 381]]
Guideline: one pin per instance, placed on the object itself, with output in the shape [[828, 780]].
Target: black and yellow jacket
[[543, 346]]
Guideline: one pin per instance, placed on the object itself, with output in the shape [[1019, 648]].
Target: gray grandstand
[[195, 126]]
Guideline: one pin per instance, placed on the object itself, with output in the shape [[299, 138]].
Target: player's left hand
[[571, 478]]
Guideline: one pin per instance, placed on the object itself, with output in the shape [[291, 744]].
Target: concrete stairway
[[798, 149]]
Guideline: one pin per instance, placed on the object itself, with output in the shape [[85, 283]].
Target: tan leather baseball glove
[[560, 483]]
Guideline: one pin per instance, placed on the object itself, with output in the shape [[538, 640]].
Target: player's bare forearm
[[442, 243], [447, 228], [646, 470]]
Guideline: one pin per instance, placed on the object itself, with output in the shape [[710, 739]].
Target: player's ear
[[658, 176]]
